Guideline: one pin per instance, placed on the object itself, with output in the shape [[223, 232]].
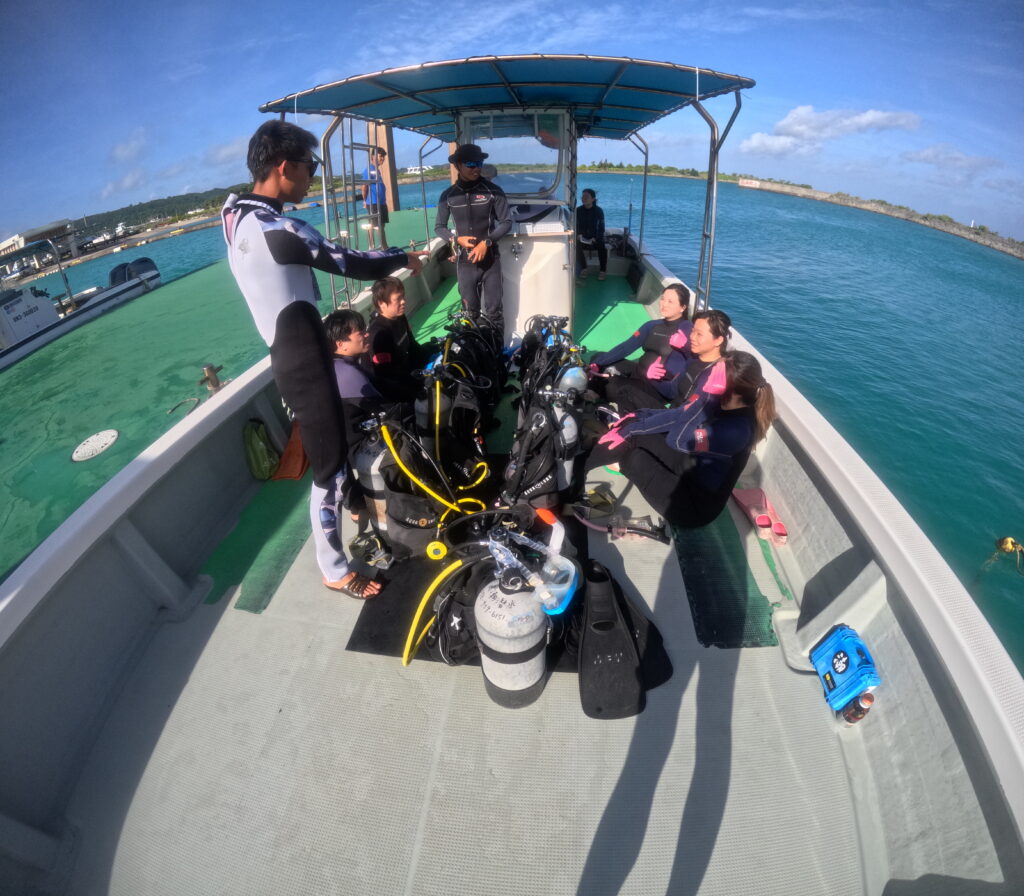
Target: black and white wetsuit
[[477, 209], [272, 258]]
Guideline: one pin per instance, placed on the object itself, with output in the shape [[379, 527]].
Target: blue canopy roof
[[610, 97]]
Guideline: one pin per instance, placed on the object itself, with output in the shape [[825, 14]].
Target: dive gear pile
[[506, 592]]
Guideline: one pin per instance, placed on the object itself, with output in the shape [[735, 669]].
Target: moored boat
[[31, 318], [158, 744]]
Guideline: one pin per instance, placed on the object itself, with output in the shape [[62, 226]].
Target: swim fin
[[611, 684], [655, 665]]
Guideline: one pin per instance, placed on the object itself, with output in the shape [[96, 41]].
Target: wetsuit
[[590, 235], [630, 388], [477, 209], [394, 354], [359, 399], [272, 257], [688, 481]]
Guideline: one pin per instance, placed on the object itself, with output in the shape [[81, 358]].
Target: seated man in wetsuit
[[393, 352], [665, 345]]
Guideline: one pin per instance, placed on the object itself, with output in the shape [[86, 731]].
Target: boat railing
[[914, 573]]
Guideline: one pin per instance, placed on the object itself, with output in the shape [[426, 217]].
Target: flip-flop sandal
[[354, 585]]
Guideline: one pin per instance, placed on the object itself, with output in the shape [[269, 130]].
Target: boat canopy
[[608, 96]]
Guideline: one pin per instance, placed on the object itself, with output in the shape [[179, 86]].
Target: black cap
[[468, 152]]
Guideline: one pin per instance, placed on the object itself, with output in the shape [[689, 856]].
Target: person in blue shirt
[[375, 196]]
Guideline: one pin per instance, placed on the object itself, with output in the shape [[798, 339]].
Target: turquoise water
[[905, 338]]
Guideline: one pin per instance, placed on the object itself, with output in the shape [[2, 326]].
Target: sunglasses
[[311, 164], [473, 164]]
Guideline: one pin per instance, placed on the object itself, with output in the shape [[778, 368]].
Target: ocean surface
[[907, 339]]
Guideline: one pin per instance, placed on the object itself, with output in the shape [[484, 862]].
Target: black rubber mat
[[727, 606]]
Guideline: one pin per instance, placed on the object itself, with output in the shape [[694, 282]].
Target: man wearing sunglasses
[[272, 258], [481, 217]]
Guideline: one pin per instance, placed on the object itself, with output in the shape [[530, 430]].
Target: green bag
[[260, 453]]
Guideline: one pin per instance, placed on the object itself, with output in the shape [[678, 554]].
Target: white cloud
[[803, 130], [1006, 187], [186, 72], [804, 123], [776, 145], [951, 162], [131, 181], [231, 153], [129, 150]]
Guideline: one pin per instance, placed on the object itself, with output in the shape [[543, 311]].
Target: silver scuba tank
[[367, 464], [512, 633]]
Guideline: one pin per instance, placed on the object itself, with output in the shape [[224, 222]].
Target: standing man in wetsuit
[[272, 258], [481, 217]]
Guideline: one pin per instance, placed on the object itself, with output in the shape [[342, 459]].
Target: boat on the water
[[158, 739], [31, 318]]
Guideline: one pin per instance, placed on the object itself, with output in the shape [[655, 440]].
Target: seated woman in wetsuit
[[709, 338], [665, 347], [686, 460], [393, 350]]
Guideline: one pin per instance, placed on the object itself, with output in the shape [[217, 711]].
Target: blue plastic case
[[844, 665]]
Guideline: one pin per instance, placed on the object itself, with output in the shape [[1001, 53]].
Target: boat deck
[[257, 752]]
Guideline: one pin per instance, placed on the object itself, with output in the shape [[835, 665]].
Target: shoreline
[[1006, 245], [990, 240], [983, 238]]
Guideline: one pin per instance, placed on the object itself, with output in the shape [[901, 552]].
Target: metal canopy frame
[[608, 97]]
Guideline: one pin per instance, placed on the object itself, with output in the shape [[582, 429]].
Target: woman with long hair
[[665, 346], [686, 460]]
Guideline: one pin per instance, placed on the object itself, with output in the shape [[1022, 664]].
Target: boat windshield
[[525, 149]]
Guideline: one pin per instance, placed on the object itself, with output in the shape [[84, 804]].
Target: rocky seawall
[[984, 237]]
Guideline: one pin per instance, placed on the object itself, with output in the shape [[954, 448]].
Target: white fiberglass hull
[[103, 301]]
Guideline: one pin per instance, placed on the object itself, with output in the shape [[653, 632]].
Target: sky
[[110, 103]]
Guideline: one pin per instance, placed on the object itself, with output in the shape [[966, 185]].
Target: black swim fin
[[655, 665], [611, 684]]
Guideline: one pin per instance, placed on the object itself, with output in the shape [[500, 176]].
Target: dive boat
[[31, 318], [159, 739]]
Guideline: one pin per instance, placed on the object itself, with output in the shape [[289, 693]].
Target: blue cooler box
[[844, 665]]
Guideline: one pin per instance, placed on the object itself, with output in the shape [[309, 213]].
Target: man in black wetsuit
[[272, 258], [481, 217]]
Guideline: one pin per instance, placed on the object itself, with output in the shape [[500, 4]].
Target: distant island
[[190, 206], [978, 233]]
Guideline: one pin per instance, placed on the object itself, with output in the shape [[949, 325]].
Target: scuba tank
[[512, 632], [513, 609], [511, 629], [567, 436], [367, 463]]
